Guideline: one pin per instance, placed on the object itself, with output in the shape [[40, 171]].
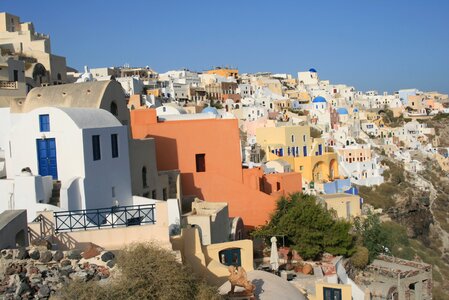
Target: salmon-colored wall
[[177, 142]]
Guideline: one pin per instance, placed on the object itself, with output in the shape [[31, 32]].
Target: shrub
[[147, 271], [308, 227], [360, 258]]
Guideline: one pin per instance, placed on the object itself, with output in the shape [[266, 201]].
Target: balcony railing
[[9, 85], [119, 216]]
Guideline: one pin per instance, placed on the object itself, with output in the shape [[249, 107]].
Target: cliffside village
[[196, 160]]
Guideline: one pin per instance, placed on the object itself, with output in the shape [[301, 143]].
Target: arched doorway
[[332, 169], [317, 172]]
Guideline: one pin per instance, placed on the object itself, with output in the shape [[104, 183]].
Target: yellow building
[[225, 72], [211, 261], [347, 206], [305, 154]]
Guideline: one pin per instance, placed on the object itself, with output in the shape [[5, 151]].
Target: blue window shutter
[[44, 123]]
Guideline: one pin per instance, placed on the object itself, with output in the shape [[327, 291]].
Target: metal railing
[[117, 216]]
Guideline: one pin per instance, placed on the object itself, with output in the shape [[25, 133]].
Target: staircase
[[55, 193]]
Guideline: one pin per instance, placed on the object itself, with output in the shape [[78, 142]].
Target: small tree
[[371, 235], [309, 227]]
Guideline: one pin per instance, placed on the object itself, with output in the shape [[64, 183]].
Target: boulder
[[7, 253], [23, 287], [44, 291], [45, 256], [34, 254], [22, 253], [74, 254], [111, 263], [66, 271], [65, 263], [107, 256], [58, 256], [92, 250]]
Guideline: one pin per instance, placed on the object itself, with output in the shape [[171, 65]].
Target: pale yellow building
[[212, 261], [295, 145], [41, 66], [346, 206], [225, 72]]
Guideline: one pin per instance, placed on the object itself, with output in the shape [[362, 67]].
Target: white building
[[83, 149]]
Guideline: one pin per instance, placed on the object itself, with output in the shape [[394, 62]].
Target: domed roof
[[356, 110], [342, 111], [210, 109], [319, 99], [312, 70]]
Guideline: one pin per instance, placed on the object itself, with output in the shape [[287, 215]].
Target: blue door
[[46, 158]]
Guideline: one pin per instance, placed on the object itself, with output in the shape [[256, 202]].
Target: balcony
[[9, 85]]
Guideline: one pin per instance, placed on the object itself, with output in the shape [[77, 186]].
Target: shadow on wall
[[188, 186], [43, 228], [166, 153]]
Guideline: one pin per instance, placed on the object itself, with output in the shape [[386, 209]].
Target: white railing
[[10, 85]]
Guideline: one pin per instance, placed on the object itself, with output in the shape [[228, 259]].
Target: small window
[[293, 138], [164, 194], [200, 162], [44, 123], [96, 147], [144, 177], [113, 192], [153, 194], [114, 145], [114, 108]]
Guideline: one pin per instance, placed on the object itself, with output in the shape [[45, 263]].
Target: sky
[[382, 45]]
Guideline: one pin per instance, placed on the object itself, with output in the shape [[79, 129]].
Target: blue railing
[[117, 216]]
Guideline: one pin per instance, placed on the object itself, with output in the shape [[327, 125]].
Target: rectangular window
[[153, 194], [164, 194], [200, 162], [44, 123], [114, 145], [332, 294], [304, 150], [96, 147]]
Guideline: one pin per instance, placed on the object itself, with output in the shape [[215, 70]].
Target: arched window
[[114, 109], [59, 76], [144, 177]]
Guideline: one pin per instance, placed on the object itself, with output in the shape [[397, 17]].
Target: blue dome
[[356, 110], [210, 109], [312, 70], [342, 111], [319, 99]]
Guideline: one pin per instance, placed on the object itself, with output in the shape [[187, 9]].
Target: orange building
[[207, 153], [225, 72]]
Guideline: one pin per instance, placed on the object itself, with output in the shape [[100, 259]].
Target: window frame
[[44, 123], [96, 147], [114, 145]]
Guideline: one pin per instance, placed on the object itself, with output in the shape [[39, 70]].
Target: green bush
[[147, 271], [360, 259], [309, 228]]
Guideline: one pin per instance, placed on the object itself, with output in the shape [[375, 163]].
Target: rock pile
[[37, 273]]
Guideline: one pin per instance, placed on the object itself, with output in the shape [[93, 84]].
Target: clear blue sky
[[382, 44]]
